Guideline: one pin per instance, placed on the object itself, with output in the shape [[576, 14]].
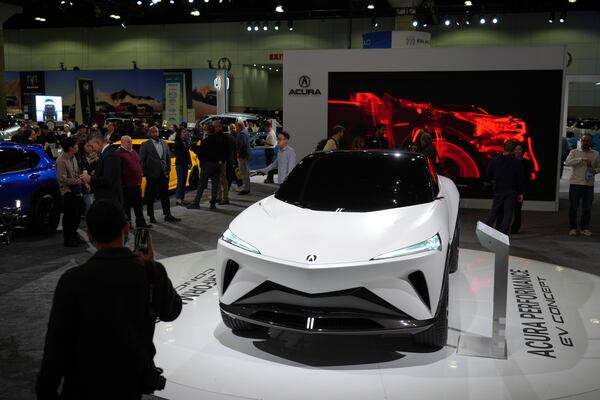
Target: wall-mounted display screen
[[48, 108], [470, 114]]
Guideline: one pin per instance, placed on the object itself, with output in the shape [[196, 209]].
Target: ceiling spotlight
[[265, 26], [482, 20], [256, 27], [41, 19], [371, 5], [155, 1], [374, 22], [191, 1], [279, 8], [572, 1], [290, 25], [425, 25], [172, 1], [552, 17], [415, 22], [277, 25], [195, 13], [115, 16], [255, 65], [270, 69], [206, 1], [468, 3], [563, 17], [262, 66], [494, 19], [447, 22], [139, 2], [249, 27], [459, 21], [124, 25], [277, 70], [468, 19]]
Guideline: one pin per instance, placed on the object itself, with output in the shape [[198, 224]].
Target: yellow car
[[193, 174]]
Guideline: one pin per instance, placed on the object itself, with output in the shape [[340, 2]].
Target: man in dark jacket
[[507, 174], [99, 338], [210, 154], [131, 178], [377, 141], [106, 181], [156, 164]]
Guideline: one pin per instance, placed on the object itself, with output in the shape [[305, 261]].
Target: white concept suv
[[353, 242]]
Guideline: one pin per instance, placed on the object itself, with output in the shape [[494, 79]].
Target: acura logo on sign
[[311, 258], [304, 81]]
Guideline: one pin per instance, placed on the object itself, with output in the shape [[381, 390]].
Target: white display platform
[[203, 359]]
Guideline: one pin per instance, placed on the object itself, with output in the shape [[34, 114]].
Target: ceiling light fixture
[[115, 16], [195, 13], [552, 17], [494, 19], [279, 8], [265, 26], [256, 27], [482, 20], [374, 22], [124, 25], [290, 25], [459, 21], [572, 1], [249, 27], [371, 5], [41, 19], [468, 3], [415, 22], [139, 2], [277, 25], [468, 19], [447, 22], [563, 17]]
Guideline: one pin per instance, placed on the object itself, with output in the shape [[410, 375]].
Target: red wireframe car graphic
[[466, 137]]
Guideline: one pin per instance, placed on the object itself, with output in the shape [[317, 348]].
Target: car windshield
[[358, 182]]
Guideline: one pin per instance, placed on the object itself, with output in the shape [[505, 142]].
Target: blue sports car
[[257, 158], [28, 180]]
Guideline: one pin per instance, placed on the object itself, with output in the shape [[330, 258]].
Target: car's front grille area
[[327, 322]]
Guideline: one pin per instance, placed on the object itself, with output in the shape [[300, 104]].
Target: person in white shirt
[[270, 142], [585, 164]]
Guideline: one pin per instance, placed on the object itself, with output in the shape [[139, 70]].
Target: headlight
[[433, 243], [231, 238]]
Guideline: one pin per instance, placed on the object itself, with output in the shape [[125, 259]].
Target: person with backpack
[[333, 143], [244, 151]]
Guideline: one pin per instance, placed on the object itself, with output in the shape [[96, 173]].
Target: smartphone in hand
[[142, 236]]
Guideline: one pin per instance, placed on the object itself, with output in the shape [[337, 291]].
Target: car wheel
[[236, 324], [454, 249], [436, 336], [194, 178], [46, 214]]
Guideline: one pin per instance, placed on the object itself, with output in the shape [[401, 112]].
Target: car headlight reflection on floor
[[231, 238], [433, 243]]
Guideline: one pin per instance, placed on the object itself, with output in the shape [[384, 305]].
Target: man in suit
[[106, 180], [156, 165], [99, 339]]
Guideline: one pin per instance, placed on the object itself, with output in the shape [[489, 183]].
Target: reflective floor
[[553, 336]]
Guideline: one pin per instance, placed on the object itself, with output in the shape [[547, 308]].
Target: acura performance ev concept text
[[353, 242]]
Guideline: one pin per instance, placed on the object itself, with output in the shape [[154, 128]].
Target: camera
[[153, 380]]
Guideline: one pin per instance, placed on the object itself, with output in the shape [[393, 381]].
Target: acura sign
[[304, 88]]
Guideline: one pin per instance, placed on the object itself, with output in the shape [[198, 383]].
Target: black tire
[[237, 324], [45, 214], [436, 336], [194, 178], [454, 249]]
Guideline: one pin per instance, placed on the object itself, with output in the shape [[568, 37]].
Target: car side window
[[12, 160], [34, 158]]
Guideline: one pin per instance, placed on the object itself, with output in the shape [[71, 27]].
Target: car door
[[17, 179]]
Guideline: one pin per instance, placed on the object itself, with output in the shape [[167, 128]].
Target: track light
[[482, 20], [191, 1], [172, 1], [552, 17], [494, 19], [195, 12], [40, 19], [415, 22], [139, 2], [124, 25], [279, 8], [468, 3], [374, 22], [468, 19], [249, 27], [277, 25], [447, 22], [572, 1], [265, 26], [563, 17], [459, 21], [290, 25], [371, 5], [256, 27], [115, 16]]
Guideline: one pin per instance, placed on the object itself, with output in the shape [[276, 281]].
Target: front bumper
[[399, 295]]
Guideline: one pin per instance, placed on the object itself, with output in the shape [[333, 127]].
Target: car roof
[[230, 115], [367, 153]]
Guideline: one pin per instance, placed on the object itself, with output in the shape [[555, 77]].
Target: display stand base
[[481, 346]]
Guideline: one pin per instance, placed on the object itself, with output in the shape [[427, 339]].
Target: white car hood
[[291, 233]]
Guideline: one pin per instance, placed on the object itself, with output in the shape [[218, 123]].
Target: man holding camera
[[99, 338]]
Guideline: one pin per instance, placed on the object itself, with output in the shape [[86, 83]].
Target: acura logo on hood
[[311, 258]]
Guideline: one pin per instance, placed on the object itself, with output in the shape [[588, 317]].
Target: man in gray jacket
[[156, 165], [585, 164]]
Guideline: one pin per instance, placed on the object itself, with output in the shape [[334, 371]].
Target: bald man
[[131, 179]]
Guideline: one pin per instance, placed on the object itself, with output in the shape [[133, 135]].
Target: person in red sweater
[[131, 179]]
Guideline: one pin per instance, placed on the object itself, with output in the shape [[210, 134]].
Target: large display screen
[[48, 108], [469, 113]]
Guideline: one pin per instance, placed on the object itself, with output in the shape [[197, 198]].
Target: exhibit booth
[[470, 99]]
